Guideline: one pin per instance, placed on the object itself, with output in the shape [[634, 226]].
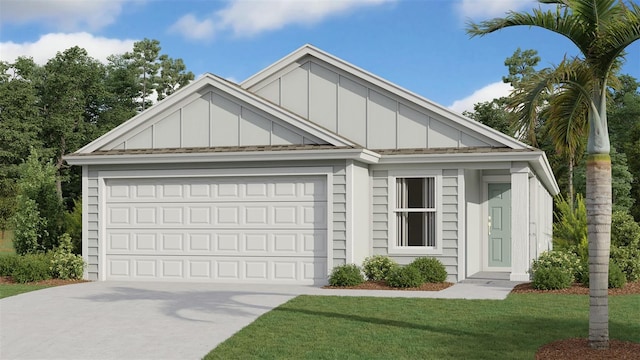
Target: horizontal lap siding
[[339, 216], [93, 226], [450, 229], [380, 212]]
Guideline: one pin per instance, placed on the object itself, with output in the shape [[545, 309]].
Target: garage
[[253, 229]]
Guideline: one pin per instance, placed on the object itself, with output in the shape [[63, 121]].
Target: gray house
[[311, 163]]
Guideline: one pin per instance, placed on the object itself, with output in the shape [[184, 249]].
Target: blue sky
[[419, 45]]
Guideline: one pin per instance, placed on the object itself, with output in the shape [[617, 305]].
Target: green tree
[[38, 220], [72, 95], [601, 30], [20, 127], [144, 61], [173, 75]]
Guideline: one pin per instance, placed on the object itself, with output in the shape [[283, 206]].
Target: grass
[[317, 327], [6, 242], [7, 290]]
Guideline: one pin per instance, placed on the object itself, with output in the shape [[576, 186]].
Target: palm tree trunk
[[598, 203]]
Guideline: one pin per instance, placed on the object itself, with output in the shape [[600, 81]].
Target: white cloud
[[48, 45], [487, 93], [475, 9], [247, 18], [192, 28], [66, 15]]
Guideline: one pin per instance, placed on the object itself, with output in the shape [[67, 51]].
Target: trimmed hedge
[[431, 269], [405, 277], [32, 267], [552, 278], [346, 275], [377, 267]]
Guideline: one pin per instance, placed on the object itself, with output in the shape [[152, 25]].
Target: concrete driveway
[[132, 320], [124, 320]]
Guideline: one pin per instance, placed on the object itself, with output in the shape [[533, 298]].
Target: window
[[415, 212]]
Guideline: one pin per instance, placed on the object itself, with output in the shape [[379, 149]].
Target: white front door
[[266, 229]]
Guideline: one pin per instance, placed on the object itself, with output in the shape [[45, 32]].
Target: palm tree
[[601, 29]]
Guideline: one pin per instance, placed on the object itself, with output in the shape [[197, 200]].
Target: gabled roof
[[308, 50], [208, 80]]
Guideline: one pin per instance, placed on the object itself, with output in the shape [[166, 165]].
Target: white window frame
[[392, 243]]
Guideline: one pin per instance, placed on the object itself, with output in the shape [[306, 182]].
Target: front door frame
[[484, 261]]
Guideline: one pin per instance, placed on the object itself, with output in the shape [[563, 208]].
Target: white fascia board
[[465, 122], [362, 155], [228, 88], [537, 160]]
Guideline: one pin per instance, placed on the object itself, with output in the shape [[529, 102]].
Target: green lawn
[[317, 327], [7, 290]]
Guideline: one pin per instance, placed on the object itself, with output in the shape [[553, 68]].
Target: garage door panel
[[202, 189], [220, 269], [226, 229], [299, 243], [221, 216]]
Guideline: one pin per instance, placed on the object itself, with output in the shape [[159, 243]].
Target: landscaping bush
[[65, 264], [32, 267], [431, 269], [551, 278], [346, 275], [8, 262], [377, 267], [624, 230], [628, 259], [617, 278], [561, 259], [405, 277]]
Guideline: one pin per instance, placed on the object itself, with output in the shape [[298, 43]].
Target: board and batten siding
[[450, 231], [211, 118], [369, 115], [93, 209]]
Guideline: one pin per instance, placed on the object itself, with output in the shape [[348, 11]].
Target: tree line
[[50, 110]]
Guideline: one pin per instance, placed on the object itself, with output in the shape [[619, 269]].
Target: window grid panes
[[416, 212]]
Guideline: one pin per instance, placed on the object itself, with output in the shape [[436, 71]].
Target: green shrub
[[617, 278], [562, 259], [405, 277], [346, 275], [65, 264], [431, 269], [551, 278], [32, 267], [582, 276], [8, 262], [377, 267], [570, 227], [628, 259], [624, 230], [73, 226]]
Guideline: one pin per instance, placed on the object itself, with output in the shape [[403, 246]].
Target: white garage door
[[240, 229]]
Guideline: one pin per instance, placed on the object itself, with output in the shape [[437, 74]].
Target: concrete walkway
[[127, 320]]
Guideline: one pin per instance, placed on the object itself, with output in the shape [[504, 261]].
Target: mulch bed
[[49, 282], [579, 349], [381, 285], [578, 289]]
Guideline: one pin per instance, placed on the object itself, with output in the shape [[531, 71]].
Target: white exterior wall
[[359, 205], [475, 227], [210, 118], [362, 112]]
